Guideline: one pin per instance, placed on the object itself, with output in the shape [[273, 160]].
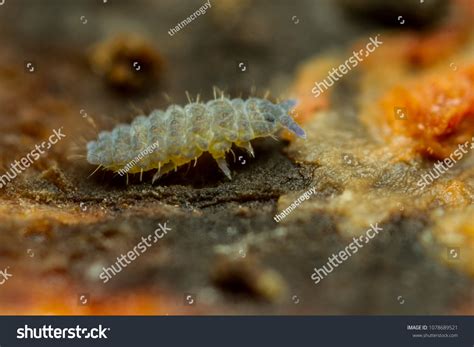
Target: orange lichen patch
[[435, 112], [387, 65], [24, 296], [127, 62]]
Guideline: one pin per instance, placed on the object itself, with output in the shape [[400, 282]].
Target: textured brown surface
[[58, 227]]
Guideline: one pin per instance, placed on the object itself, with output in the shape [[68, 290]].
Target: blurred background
[[89, 65]]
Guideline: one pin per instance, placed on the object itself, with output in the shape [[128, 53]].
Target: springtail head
[[287, 121]]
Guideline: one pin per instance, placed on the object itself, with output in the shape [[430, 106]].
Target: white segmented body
[[183, 134]]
